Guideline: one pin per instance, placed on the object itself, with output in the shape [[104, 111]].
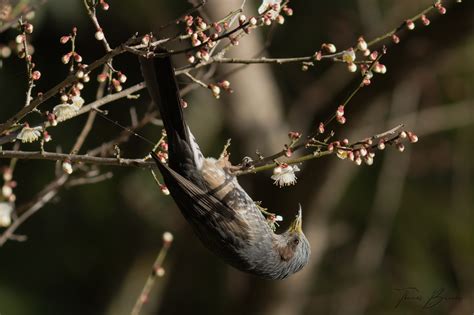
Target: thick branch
[[74, 158]]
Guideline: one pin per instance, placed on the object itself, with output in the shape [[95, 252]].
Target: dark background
[[404, 222]]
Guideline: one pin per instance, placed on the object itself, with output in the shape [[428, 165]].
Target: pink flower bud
[[361, 44], [102, 77], [380, 68], [321, 127], [77, 57], [146, 39], [36, 75], [28, 27], [191, 59], [330, 48], [352, 67], [64, 39], [99, 35], [374, 55], [412, 137], [122, 77], [425, 20], [294, 135], [288, 11], [395, 39], [164, 189], [340, 111], [160, 271], [410, 25], [105, 6], [65, 59], [441, 9], [381, 144], [224, 84], [19, 38], [341, 119], [216, 91], [46, 136]]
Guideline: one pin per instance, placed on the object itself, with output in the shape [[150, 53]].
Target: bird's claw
[[272, 218]]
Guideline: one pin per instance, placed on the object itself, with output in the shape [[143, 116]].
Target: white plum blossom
[[284, 175], [29, 134], [65, 111], [77, 101], [349, 56], [6, 209], [273, 5]]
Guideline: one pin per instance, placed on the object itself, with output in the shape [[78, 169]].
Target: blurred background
[[401, 226]]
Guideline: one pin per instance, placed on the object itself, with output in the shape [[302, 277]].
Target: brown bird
[[221, 213]]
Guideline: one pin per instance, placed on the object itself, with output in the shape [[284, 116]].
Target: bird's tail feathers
[[163, 88]]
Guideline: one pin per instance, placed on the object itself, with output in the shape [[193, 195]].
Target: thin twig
[[157, 271], [85, 109], [26, 211], [89, 180], [70, 79], [74, 158]]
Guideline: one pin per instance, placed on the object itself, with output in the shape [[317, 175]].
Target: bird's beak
[[297, 225]]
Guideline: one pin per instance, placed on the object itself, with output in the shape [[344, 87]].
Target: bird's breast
[[218, 180]]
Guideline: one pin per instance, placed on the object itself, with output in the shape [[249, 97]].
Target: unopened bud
[[400, 147], [321, 127], [352, 67], [146, 39], [381, 145], [412, 137], [64, 39], [67, 167], [410, 24], [167, 237], [36, 75], [164, 190], [99, 35], [330, 48], [28, 28], [395, 39], [362, 44]]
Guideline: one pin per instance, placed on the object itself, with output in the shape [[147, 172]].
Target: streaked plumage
[[221, 213]]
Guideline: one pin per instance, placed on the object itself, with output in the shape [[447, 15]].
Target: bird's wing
[[200, 205]]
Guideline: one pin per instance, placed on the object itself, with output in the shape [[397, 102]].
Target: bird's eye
[[296, 241]]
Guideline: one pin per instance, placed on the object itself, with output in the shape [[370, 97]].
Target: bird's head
[[294, 248]]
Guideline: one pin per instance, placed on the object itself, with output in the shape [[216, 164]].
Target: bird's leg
[[272, 218]]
